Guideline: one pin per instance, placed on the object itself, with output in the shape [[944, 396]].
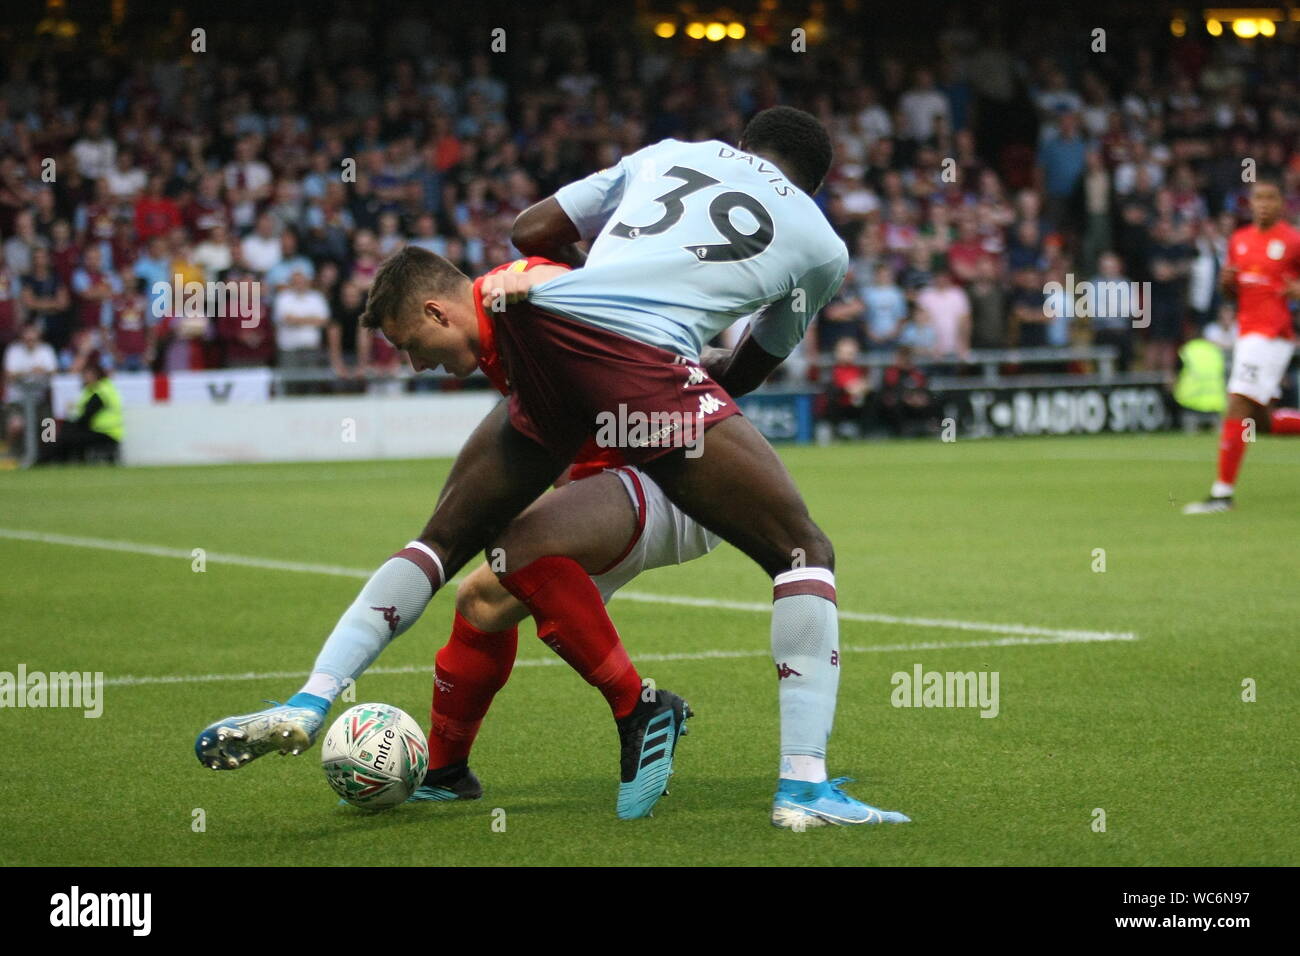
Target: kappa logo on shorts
[[696, 376], [710, 404], [1250, 372]]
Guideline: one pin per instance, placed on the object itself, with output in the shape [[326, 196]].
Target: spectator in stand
[[1169, 260], [390, 238], [46, 300], [246, 338], [1211, 252], [291, 261], [95, 152], [94, 287], [848, 392], [918, 335], [301, 314], [156, 214], [365, 262], [132, 338], [66, 255], [948, 307], [968, 250], [841, 318], [206, 211], [341, 333], [1058, 307], [886, 310], [261, 248], [214, 253], [1111, 322], [248, 183], [906, 403], [1096, 208], [988, 307], [376, 358], [125, 182], [18, 248], [921, 106], [11, 313], [154, 269], [29, 364], [1028, 312]]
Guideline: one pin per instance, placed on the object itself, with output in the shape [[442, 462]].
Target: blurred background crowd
[[299, 147]]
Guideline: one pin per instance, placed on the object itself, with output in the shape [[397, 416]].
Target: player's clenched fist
[[501, 289]]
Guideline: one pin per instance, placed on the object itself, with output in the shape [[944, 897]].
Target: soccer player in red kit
[[1263, 271]]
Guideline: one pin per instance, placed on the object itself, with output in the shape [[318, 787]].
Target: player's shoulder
[[523, 264]]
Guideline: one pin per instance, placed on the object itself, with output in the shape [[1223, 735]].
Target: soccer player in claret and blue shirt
[[686, 239]]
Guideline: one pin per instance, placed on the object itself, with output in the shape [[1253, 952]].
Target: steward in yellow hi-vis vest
[[95, 423], [1201, 384]]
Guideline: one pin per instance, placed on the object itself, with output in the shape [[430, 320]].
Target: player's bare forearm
[[748, 367], [544, 229]]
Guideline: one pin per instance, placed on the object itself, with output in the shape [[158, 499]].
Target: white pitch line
[[1056, 635], [133, 681]]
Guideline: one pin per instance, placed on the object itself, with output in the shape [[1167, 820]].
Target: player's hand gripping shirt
[[690, 237], [592, 459]]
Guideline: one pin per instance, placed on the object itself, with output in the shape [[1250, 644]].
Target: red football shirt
[[591, 458], [1267, 259]]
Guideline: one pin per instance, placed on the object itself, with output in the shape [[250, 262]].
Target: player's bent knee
[[484, 603], [802, 546]]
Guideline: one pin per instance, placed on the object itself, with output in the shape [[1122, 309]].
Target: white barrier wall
[[303, 429]]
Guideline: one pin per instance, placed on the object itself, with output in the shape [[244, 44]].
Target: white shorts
[[1258, 364], [664, 534]]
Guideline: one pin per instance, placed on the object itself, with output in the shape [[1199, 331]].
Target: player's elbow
[[529, 233]]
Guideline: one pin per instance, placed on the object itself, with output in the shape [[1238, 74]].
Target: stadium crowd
[[965, 180]]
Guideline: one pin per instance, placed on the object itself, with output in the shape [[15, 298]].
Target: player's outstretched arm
[[544, 229]]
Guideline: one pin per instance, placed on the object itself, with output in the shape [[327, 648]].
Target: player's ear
[[433, 310]]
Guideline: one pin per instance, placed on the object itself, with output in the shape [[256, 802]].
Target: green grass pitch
[[946, 538]]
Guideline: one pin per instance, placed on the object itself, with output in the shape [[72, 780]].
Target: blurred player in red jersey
[[1263, 271]]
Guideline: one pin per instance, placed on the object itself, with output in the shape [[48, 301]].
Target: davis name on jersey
[[689, 238]]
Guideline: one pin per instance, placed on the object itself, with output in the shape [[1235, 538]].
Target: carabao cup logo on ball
[[374, 756]]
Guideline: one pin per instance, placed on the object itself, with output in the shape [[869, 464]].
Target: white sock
[[803, 767], [324, 685], [805, 650], [1221, 489], [389, 603]]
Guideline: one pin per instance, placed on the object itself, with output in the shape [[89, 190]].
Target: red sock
[[467, 674], [1231, 447], [571, 619], [1285, 421]]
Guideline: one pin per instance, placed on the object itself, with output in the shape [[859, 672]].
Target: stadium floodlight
[[695, 30], [736, 30], [665, 29], [1213, 27], [1245, 28], [716, 31], [1266, 27]]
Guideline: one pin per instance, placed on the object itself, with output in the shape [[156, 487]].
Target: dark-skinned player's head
[[424, 306], [796, 141], [1266, 201]]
